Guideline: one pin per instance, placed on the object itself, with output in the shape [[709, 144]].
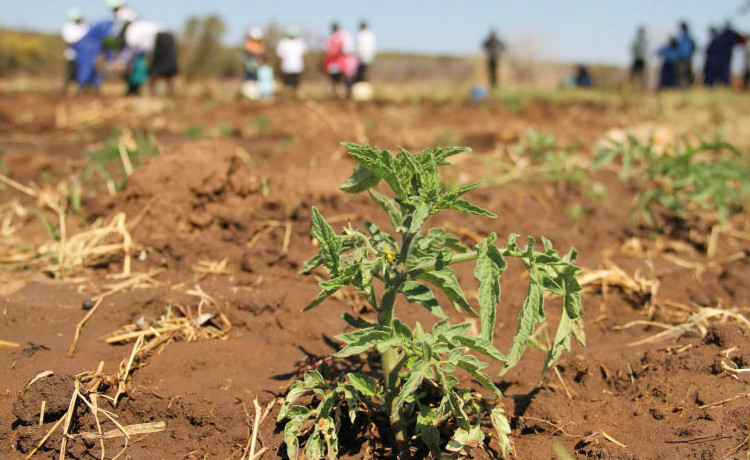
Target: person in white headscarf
[[72, 32]]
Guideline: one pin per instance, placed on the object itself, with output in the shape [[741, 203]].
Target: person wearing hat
[[253, 51], [291, 51], [122, 12], [72, 32]]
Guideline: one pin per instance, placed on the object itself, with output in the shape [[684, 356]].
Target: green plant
[[418, 391], [195, 132], [686, 177], [109, 159], [540, 158]]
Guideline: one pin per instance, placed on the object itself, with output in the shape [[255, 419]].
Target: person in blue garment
[[724, 49], [711, 61], [88, 50], [686, 46], [671, 56]]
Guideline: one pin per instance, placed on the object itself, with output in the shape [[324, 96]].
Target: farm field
[[151, 250]]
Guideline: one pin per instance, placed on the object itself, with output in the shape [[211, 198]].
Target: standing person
[[725, 43], [72, 32], [712, 61], [366, 47], [686, 46], [334, 59], [253, 51], [640, 54], [493, 47], [583, 77], [291, 51], [149, 40], [670, 59]]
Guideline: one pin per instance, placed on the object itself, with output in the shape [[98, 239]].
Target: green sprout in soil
[[541, 159], [122, 152], [417, 390], [686, 177]]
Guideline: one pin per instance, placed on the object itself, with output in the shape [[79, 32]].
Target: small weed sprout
[[418, 391]]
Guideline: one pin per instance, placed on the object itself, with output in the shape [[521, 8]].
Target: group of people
[[346, 61], [132, 47], [677, 70]]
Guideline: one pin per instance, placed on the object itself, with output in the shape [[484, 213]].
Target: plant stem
[[390, 369], [429, 266]]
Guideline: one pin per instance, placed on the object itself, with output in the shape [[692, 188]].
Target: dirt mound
[[192, 186]]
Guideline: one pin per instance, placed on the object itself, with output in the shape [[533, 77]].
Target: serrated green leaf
[[472, 365], [330, 243], [315, 446], [328, 429], [446, 281], [502, 429], [312, 263], [419, 293], [527, 319], [420, 215], [352, 400], [390, 206], [361, 179], [402, 330], [489, 267], [363, 342], [356, 322], [427, 430], [568, 327], [454, 194], [463, 439], [291, 437], [480, 345], [467, 208], [364, 384], [380, 163], [412, 384]]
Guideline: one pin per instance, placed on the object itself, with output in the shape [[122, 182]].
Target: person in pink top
[[335, 61]]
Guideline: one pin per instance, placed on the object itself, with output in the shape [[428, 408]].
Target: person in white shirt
[[148, 39], [366, 47], [72, 32], [291, 51]]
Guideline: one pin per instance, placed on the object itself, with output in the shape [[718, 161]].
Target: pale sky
[[566, 30]]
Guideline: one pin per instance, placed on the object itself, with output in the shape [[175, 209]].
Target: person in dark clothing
[[493, 47], [686, 46], [724, 48], [711, 63], [670, 58], [583, 77]]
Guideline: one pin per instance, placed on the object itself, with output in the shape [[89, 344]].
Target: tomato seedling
[[418, 390]]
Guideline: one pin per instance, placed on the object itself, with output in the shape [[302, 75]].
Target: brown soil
[[233, 199]]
